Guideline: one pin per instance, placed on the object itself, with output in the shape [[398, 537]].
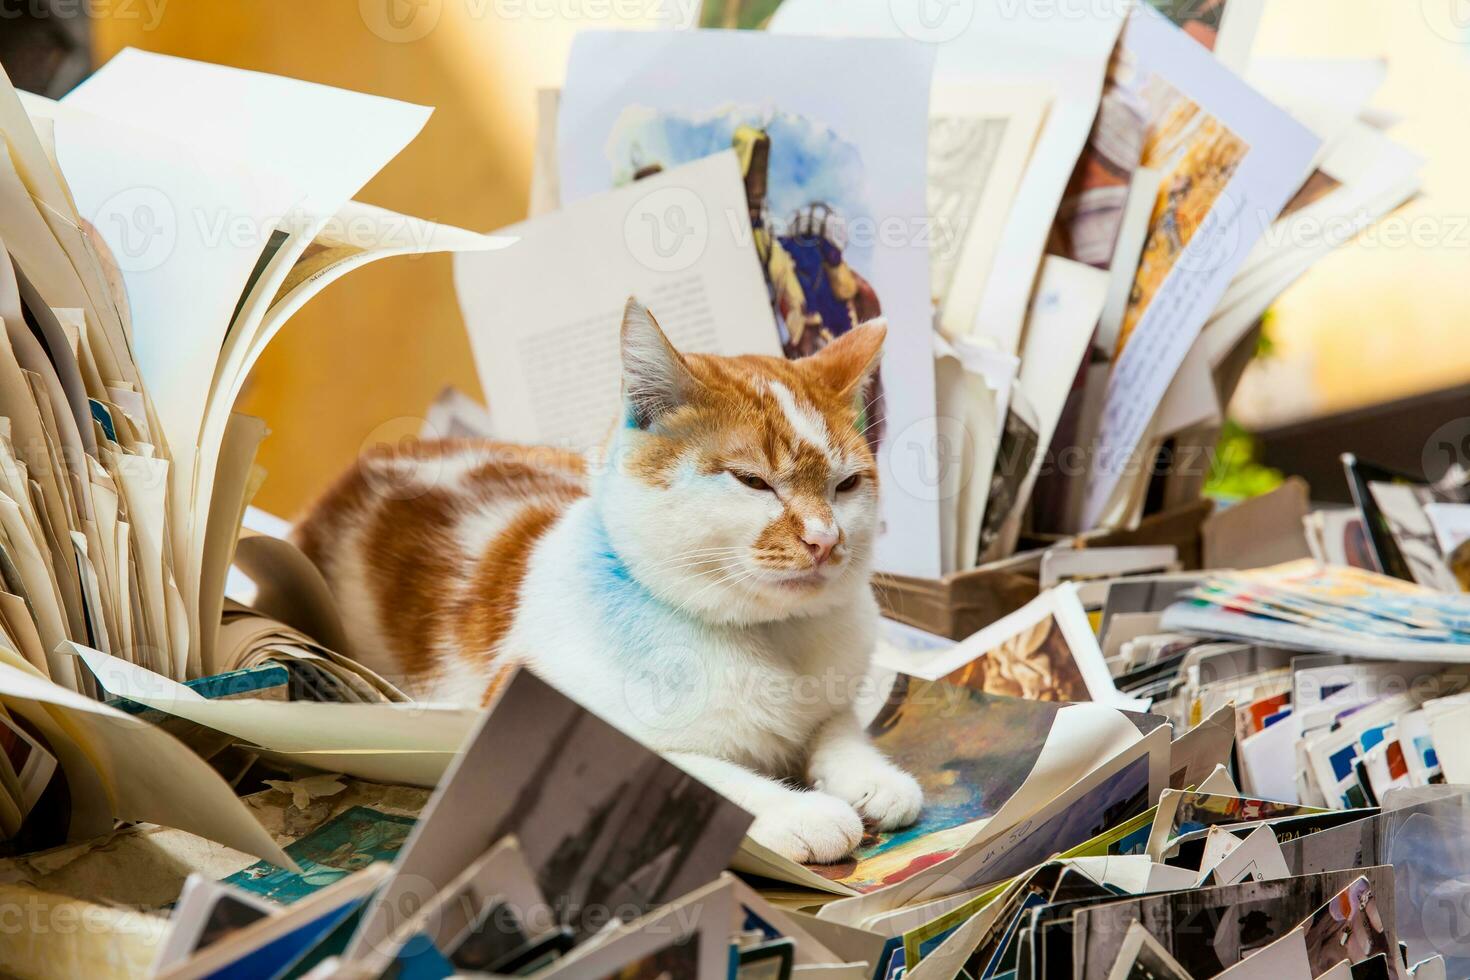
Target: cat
[[701, 580]]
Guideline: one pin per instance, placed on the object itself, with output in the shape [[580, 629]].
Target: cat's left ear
[[655, 378], [845, 365]]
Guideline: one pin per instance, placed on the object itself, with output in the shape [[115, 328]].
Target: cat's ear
[[845, 365], [655, 378]]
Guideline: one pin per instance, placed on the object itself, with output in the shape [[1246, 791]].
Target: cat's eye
[[850, 483], [750, 480]]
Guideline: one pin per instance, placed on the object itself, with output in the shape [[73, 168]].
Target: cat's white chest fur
[[751, 694]]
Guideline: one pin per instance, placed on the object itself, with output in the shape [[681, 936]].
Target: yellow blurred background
[[363, 361]]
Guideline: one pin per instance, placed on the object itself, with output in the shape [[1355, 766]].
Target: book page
[[543, 316], [1231, 160]]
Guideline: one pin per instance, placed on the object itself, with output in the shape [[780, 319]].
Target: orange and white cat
[[701, 580]]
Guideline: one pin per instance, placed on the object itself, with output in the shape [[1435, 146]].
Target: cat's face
[[742, 488]]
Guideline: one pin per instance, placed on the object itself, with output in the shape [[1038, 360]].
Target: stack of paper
[[1111, 202], [150, 247]]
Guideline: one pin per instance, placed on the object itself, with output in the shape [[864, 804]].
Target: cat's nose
[[819, 541]]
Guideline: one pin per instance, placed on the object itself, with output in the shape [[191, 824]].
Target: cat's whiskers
[[741, 575], [695, 553], [724, 565]]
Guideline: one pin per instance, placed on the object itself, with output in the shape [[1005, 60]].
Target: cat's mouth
[[804, 581]]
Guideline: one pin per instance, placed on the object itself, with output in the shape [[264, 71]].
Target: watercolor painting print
[[1036, 664], [1198, 155], [833, 157], [804, 188], [970, 750]]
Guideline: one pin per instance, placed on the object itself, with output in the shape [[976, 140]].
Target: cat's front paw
[[886, 795], [809, 828]]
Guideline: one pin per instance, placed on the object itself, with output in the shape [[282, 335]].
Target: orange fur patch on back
[[406, 509], [484, 614]]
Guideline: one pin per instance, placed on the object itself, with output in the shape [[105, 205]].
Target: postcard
[[970, 750], [347, 843], [1106, 798], [605, 823], [1256, 858], [1187, 812], [491, 910], [1403, 509], [1285, 959], [836, 157], [1142, 958], [1231, 161], [1211, 929], [270, 944], [688, 937], [1351, 927], [549, 353], [1045, 651], [1451, 524], [206, 912]]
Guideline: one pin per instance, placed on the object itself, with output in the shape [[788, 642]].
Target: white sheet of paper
[[149, 774], [1273, 154], [1019, 44], [1060, 605], [297, 149], [1268, 761], [843, 137], [991, 377], [1256, 858], [325, 142], [1451, 523], [1060, 322], [970, 383], [291, 726], [1284, 959], [543, 316], [981, 135]]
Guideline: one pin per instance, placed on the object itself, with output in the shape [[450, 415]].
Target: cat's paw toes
[[888, 797], [809, 828]]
